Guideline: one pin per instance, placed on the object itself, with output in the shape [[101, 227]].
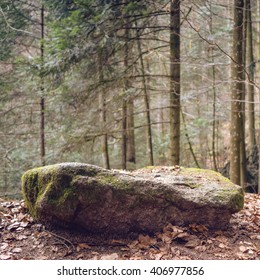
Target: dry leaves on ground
[[22, 238]]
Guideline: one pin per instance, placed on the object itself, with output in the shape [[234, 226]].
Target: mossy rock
[[82, 196]]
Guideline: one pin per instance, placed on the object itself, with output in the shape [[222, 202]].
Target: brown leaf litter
[[22, 238]]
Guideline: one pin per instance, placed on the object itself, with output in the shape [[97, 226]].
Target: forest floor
[[22, 238]]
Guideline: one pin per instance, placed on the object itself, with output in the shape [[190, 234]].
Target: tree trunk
[[124, 134], [214, 121], [251, 89], [188, 140], [258, 190], [237, 93], [42, 99], [175, 105], [103, 116], [243, 169], [42, 129], [146, 102], [124, 101], [130, 131], [258, 81]]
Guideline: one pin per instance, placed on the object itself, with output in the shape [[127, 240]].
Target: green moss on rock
[[73, 194]]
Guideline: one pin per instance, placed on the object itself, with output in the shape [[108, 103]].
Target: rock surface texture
[[75, 195]]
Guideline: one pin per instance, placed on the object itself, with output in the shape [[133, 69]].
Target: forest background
[[127, 84]]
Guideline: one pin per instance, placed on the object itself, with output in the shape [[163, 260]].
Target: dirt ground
[[22, 238]]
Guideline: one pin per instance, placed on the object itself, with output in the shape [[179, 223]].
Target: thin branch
[[11, 27]]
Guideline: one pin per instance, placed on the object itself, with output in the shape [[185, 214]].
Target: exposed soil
[[22, 238]]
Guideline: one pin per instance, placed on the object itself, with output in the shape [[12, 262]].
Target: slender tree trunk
[[130, 131], [258, 190], [5, 171], [175, 105], [189, 141], [103, 115], [237, 93], [146, 102], [104, 145], [42, 99], [251, 89], [243, 168], [124, 133], [131, 155], [258, 67], [163, 103], [124, 102], [214, 121]]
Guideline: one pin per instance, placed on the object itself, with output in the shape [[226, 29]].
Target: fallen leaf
[[9, 236], [13, 226], [192, 243], [243, 249], [113, 256], [202, 248], [202, 228], [82, 246], [17, 250], [166, 239], [54, 249], [15, 210], [183, 236], [21, 216], [145, 241], [4, 246], [198, 228], [222, 246], [24, 224], [117, 242], [133, 244], [21, 237], [171, 228], [80, 256], [8, 216], [5, 257], [124, 248], [221, 239]]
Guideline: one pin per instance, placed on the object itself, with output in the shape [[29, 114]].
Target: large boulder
[[75, 195]]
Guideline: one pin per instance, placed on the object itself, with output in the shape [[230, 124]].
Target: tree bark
[[124, 101], [175, 92], [243, 168], [251, 89], [42, 99], [237, 93], [130, 131], [124, 134], [258, 70], [214, 121], [103, 115]]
